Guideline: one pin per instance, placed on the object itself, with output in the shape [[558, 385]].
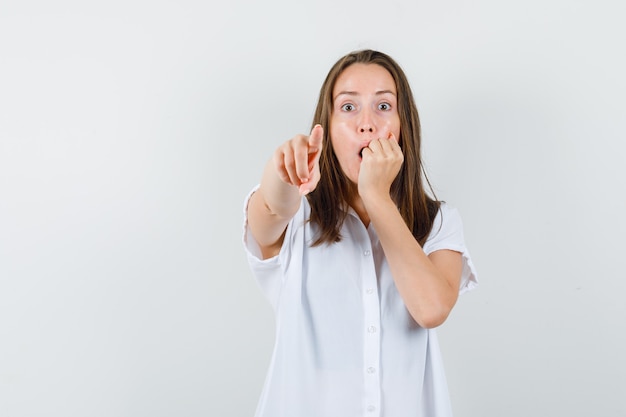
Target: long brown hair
[[330, 198]]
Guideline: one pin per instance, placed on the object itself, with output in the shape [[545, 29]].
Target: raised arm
[[429, 285], [292, 172]]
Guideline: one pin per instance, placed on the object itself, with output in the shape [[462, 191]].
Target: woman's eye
[[347, 107], [384, 106]]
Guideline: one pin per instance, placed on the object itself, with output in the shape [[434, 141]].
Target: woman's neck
[[358, 206]]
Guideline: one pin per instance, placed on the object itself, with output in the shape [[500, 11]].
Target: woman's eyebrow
[[354, 93], [345, 93]]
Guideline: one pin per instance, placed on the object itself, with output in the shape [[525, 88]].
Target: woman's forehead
[[360, 78]]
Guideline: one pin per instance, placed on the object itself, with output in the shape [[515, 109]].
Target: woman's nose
[[366, 123]]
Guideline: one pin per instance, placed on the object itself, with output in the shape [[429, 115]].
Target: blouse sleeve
[[267, 272], [447, 233]]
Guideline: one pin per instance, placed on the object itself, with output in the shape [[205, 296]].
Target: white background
[[131, 131]]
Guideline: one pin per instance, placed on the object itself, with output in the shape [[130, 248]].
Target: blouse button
[[370, 291], [371, 329], [366, 253]]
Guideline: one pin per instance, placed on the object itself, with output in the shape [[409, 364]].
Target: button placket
[[371, 348]]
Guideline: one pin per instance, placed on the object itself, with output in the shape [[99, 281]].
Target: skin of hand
[[297, 160], [293, 171], [381, 163]]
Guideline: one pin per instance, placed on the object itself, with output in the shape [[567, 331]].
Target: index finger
[[316, 138]]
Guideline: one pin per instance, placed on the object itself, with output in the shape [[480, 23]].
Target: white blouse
[[346, 345]]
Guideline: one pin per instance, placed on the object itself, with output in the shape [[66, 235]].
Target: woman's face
[[365, 104]]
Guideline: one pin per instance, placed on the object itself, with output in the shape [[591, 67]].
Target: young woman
[[359, 263]]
